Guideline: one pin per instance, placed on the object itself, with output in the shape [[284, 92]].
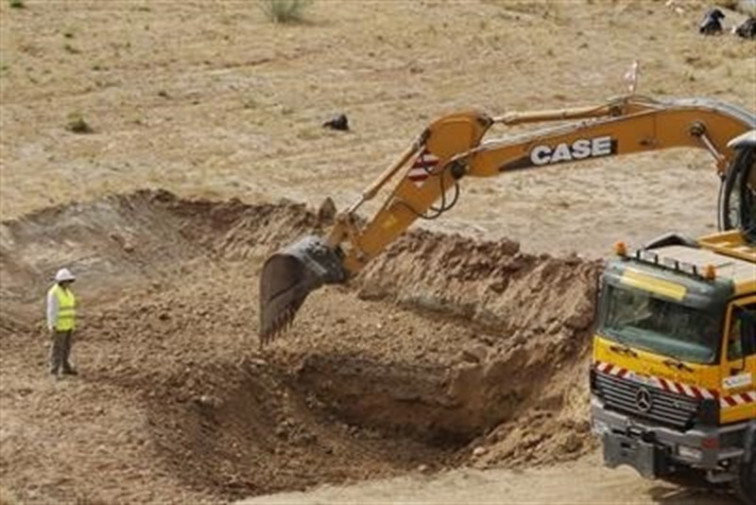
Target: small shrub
[[727, 4], [77, 124], [16, 4], [284, 11]]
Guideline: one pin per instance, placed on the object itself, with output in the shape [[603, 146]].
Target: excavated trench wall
[[441, 346]]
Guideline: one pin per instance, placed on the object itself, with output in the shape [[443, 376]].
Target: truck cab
[[673, 374]]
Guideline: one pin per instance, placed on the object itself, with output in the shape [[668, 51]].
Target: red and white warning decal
[[732, 400], [738, 399], [657, 382], [421, 168]]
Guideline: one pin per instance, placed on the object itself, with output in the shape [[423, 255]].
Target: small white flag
[[631, 77]]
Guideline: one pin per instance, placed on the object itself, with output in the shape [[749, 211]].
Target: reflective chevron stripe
[[657, 382], [738, 399]]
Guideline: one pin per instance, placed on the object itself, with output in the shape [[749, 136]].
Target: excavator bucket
[[289, 276]]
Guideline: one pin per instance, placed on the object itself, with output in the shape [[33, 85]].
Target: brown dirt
[[584, 481], [212, 100], [175, 400], [420, 361]]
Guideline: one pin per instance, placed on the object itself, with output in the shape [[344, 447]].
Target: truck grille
[[665, 407]]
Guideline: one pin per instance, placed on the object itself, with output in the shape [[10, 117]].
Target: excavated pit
[[444, 352]]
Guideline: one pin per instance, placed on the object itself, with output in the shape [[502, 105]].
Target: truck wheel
[[745, 485]]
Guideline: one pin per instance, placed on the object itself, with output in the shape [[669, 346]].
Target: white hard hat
[[63, 275]]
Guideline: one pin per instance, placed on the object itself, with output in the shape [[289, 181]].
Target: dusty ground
[[446, 353], [172, 379], [552, 485], [213, 100]]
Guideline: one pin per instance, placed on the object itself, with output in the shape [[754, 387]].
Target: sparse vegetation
[[284, 11], [77, 124], [16, 4], [727, 4]]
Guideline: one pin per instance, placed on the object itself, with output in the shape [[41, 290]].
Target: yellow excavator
[[673, 376], [453, 147]]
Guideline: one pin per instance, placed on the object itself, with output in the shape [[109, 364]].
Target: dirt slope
[[175, 400]]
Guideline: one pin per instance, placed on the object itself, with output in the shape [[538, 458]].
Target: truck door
[[738, 398]]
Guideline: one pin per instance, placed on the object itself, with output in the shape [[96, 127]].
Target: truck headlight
[[690, 453]]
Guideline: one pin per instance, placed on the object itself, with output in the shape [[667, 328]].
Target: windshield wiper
[[673, 362]]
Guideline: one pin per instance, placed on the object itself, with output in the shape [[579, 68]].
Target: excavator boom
[[426, 179]]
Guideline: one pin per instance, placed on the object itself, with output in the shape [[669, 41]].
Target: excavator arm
[[427, 176]]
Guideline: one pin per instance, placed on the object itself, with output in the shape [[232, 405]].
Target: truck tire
[[737, 194], [745, 484]]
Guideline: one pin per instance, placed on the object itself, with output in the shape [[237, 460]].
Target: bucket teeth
[[289, 276], [278, 325]]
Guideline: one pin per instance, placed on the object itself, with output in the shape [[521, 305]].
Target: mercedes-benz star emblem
[[643, 400]]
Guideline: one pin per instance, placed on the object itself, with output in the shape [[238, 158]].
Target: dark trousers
[[61, 349]]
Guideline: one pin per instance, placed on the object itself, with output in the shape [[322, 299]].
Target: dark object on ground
[[339, 122], [747, 28], [77, 124], [711, 23]]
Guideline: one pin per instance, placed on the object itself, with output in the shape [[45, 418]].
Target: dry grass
[[285, 11], [77, 124]]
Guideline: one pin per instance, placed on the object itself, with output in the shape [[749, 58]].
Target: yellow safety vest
[[66, 308]]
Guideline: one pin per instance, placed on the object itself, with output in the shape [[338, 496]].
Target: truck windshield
[[639, 319]]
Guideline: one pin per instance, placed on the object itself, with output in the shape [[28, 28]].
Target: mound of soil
[[444, 352]]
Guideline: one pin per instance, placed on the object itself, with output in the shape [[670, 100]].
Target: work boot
[[70, 371]]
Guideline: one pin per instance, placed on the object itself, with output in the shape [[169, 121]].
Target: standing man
[[61, 321]]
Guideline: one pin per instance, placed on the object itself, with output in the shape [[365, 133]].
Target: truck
[[673, 374], [673, 389]]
